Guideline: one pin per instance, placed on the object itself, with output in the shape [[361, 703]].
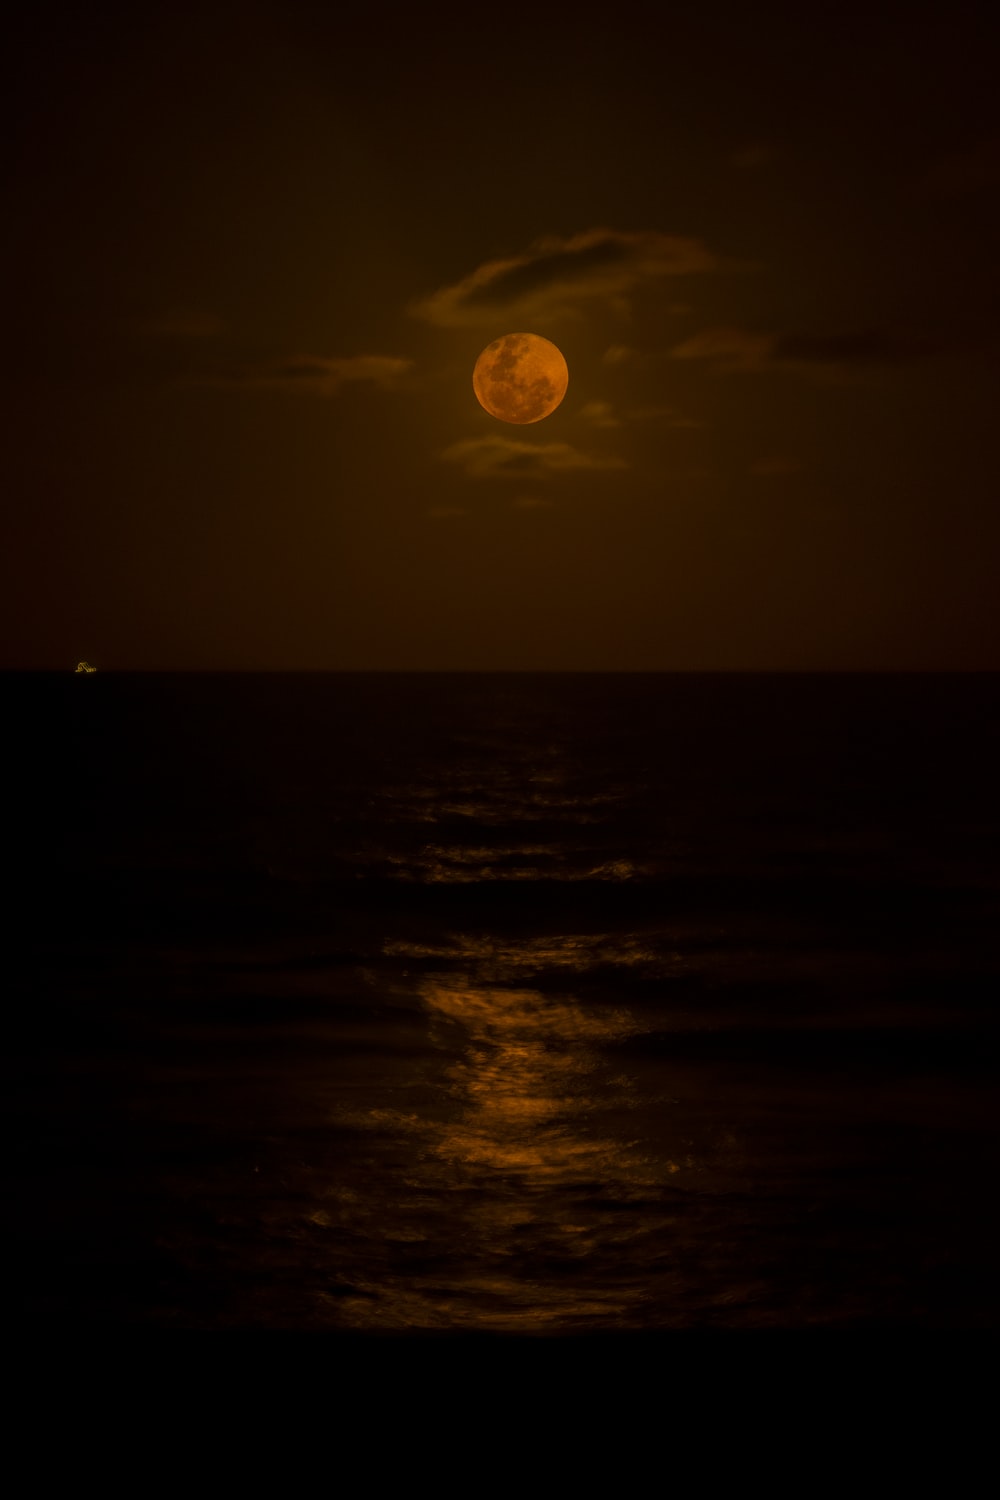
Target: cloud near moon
[[734, 350], [557, 275], [491, 457], [326, 376]]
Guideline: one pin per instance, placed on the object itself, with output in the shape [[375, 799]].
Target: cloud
[[603, 414], [870, 347], [600, 414], [556, 275], [531, 502], [731, 350], [668, 415], [618, 354], [445, 512], [727, 348], [488, 457], [318, 375], [190, 346]]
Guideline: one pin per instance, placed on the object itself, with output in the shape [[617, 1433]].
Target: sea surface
[[512, 1004]]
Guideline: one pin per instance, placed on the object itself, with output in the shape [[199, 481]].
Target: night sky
[[252, 253]]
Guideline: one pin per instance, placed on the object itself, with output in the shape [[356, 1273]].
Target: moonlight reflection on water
[[517, 1005], [522, 1162]]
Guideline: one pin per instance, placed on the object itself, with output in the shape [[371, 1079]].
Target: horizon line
[[881, 671]]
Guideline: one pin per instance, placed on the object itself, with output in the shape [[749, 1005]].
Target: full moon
[[520, 378]]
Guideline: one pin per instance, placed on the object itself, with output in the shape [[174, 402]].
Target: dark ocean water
[[521, 1004]]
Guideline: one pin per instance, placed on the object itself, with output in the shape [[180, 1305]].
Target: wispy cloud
[[669, 416], [603, 414], [557, 275], [600, 414], [727, 348], [195, 347], [490, 457], [317, 375], [731, 350], [871, 346]]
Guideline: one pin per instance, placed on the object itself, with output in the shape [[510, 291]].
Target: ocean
[[502, 1004]]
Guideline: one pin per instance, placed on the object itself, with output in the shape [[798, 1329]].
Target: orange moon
[[520, 378]]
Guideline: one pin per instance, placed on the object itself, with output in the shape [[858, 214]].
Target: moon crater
[[520, 378]]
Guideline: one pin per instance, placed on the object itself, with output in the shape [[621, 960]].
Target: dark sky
[[253, 251]]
